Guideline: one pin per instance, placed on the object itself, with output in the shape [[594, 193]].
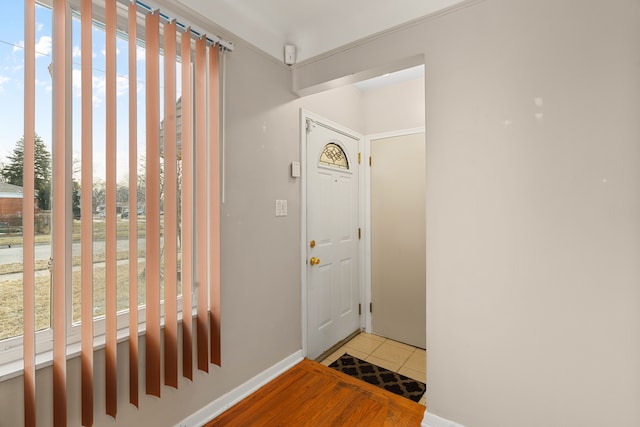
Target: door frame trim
[[304, 115], [366, 231]]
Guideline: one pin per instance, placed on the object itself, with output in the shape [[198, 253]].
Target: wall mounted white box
[[295, 169], [289, 54]]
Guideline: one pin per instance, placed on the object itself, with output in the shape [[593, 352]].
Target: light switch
[[281, 208]]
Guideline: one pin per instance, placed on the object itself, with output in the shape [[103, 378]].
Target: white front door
[[332, 237]]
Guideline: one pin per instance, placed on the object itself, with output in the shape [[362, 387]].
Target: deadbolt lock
[[312, 243]]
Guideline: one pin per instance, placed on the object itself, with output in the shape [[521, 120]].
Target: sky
[[12, 88]]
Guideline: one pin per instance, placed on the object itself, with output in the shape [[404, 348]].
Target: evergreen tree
[[12, 172]]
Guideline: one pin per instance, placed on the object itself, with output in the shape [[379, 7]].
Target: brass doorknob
[[314, 261]]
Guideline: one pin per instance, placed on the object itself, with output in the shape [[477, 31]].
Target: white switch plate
[[281, 208]]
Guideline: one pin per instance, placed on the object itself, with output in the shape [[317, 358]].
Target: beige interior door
[[398, 272], [332, 230]]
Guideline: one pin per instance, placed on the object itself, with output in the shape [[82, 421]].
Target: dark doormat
[[381, 377]]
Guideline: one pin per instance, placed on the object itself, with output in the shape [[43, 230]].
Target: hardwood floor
[[310, 394]]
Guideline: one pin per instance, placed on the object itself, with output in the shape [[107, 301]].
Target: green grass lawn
[[11, 295], [11, 298], [11, 291], [99, 232]]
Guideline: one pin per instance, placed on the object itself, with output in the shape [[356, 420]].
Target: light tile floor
[[395, 356]]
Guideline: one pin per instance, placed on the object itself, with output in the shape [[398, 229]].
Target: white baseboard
[[431, 420], [225, 402]]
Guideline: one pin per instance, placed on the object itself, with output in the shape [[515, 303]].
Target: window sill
[[15, 368], [43, 360]]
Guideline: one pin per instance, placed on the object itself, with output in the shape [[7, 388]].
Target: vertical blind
[[182, 202], [59, 214], [86, 220], [28, 209]]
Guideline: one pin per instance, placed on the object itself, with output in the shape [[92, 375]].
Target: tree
[[99, 194], [12, 172], [122, 192], [76, 199]]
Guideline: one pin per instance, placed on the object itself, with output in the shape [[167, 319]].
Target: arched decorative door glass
[[334, 155]]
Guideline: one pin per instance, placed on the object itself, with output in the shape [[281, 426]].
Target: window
[[125, 214], [11, 169], [104, 185], [333, 155]]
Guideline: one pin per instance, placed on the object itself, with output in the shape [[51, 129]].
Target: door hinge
[[359, 233], [370, 307], [369, 161], [359, 309], [359, 157], [308, 125]]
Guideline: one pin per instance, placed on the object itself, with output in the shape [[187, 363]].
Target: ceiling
[[313, 26]]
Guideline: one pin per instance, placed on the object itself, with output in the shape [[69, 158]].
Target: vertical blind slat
[[111, 250], [59, 215], [87, 216], [171, 209], [186, 139], [153, 205], [214, 205], [28, 215], [133, 209], [202, 329]]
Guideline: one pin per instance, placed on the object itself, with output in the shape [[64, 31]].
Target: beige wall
[[533, 207], [396, 107]]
